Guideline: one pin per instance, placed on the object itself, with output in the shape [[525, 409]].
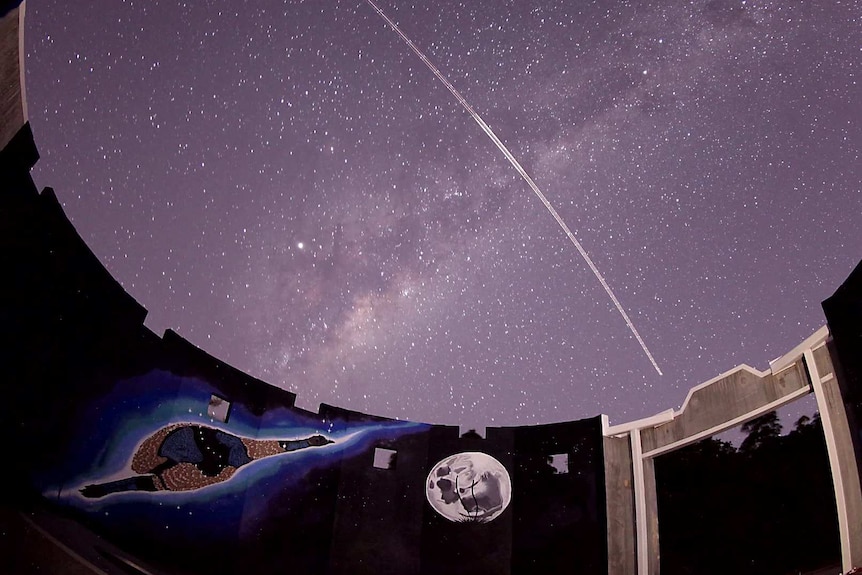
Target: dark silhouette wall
[[844, 315]]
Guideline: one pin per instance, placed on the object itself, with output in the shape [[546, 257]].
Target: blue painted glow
[[113, 427]]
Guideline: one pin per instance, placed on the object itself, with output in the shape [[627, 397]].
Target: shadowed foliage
[[767, 508]]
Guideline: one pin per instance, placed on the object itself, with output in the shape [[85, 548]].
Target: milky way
[[526, 177], [290, 189]]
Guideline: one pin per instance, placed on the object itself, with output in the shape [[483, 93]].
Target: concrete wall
[[844, 314], [844, 395], [13, 103], [619, 495], [731, 398], [715, 406]]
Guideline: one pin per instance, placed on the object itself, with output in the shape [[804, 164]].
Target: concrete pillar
[[842, 461], [646, 508], [710, 408], [632, 509], [13, 100], [651, 501], [619, 501], [640, 501]]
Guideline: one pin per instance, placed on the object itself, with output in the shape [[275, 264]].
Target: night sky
[[289, 187]]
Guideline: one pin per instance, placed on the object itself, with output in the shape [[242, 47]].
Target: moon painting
[[469, 487]]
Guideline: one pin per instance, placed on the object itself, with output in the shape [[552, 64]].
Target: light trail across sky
[[502, 147]]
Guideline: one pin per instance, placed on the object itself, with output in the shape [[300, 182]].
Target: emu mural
[[186, 456]]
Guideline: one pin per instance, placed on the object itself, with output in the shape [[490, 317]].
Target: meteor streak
[[515, 164]]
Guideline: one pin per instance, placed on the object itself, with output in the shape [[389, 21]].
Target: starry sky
[[289, 187]]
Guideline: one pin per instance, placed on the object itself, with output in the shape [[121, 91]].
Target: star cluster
[[289, 187]]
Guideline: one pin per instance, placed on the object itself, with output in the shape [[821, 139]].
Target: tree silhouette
[[805, 424], [762, 510], [761, 432]]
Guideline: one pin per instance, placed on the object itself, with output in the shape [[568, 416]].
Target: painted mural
[[155, 433], [195, 470], [163, 470], [469, 487], [185, 456]]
